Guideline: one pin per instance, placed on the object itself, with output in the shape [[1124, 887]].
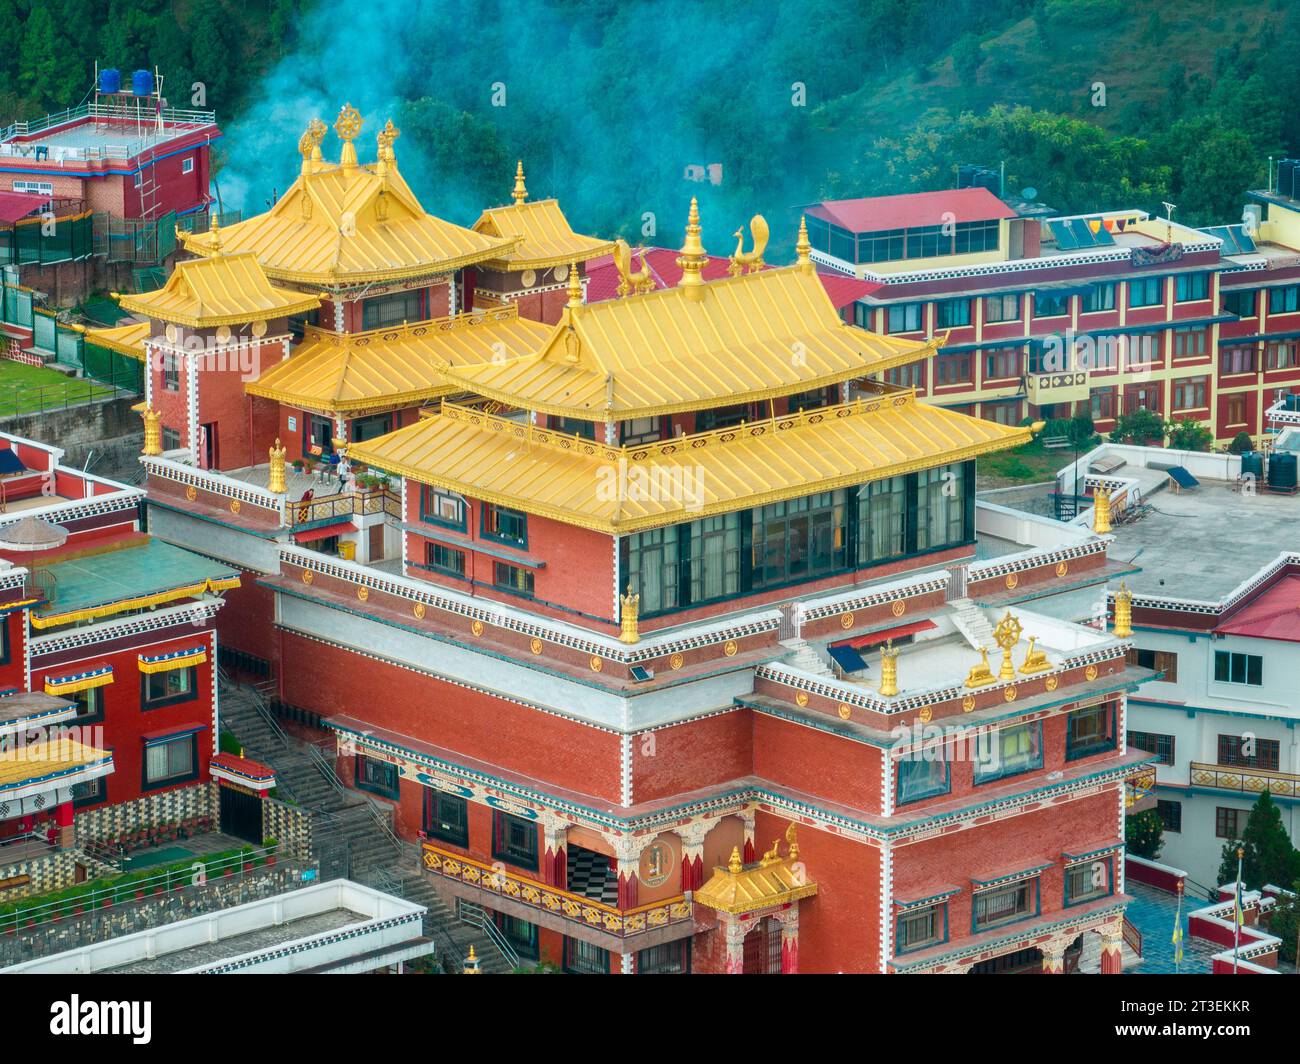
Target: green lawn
[[28, 389], [1028, 464]]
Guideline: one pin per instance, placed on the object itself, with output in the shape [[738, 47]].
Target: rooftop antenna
[[1169, 221], [1002, 178]]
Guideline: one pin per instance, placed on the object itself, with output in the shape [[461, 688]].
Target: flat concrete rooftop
[[1199, 544]]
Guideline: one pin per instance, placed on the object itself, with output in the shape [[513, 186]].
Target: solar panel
[[1236, 241], [641, 674], [1182, 477], [1085, 237], [1065, 239], [1244, 241], [10, 462]]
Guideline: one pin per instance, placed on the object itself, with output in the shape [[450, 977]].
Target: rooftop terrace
[[98, 132]]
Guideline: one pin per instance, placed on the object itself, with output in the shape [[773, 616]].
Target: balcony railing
[[593, 914], [327, 508], [1245, 780]]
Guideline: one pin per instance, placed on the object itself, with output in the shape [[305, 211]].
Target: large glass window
[[367, 428], [882, 514], [1148, 292], [1004, 307], [798, 539], [920, 777], [1005, 905], [940, 507], [1240, 301], [1090, 731], [1238, 668], [1284, 300], [1010, 751], [652, 568], [383, 311], [1051, 304], [949, 313], [1191, 286], [905, 317], [715, 557], [170, 761], [1097, 297]]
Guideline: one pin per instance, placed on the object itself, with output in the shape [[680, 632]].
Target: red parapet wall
[[1162, 877]]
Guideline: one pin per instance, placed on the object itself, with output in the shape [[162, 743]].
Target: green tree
[[1285, 922], [1144, 834], [1188, 434], [1081, 430], [1268, 856], [1142, 427], [1241, 443]]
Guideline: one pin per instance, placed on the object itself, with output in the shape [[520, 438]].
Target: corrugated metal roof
[[626, 489], [545, 237], [912, 210], [222, 290]]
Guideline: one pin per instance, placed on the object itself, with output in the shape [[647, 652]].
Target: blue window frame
[[505, 525], [1009, 904], [441, 507], [921, 928], [1009, 751], [1089, 880], [1089, 731], [922, 777]]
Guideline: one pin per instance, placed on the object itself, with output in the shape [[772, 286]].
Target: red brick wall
[[795, 756], [700, 753]]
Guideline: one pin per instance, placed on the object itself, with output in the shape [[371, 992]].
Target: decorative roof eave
[[94, 613], [206, 321], [126, 340], [649, 521], [546, 262], [316, 405]]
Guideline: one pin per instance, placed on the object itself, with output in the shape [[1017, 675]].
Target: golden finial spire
[[520, 193], [735, 866], [275, 471], [1101, 510], [628, 617], [792, 837], [693, 256], [471, 966], [309, 144], [152, 431], [386, 158], [888, 670], [214, 231], [575, 287], [1123, 611], [803, 248], [348, 127]]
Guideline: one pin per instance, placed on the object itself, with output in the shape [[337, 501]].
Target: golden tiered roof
[[734, 340], [545, 238], [333, 373], [51, 758], [549, 473], [343, 224], [124, 339], [774, 880], [222, 290]]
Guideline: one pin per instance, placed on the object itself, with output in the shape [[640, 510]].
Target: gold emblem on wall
[[363, 593], [1012, 580], [731, 648], [419, 611], [476, 627], [535, 645], [191, 493], [676, 662], [925, 714], [1010, 693], [968, 703], [846, 711], [234, 506], [898, 608], [596, 663], [801, 699], [1090, 672], [846, 620], [1062, 568], [307, 576], [1052, 682]]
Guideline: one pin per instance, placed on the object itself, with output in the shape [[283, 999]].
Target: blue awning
[[847, 658]]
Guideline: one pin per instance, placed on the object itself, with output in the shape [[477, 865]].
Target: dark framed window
[[1005, 307], [441, 507], [513, 578], [918, 928], [862, 313], [505, 525], [4, 640], [1191, 343], [793, 540], [1004, 905], [514, 839], [814, 399], [171, 372], [520, 934], [1190, 392], [1236, 410], [445, 559], [317, 436], [367, 428], [1097, 297], [1004, 363], [1009, 751], [1089, 731], [670, 958], [922, 777], [1051, 304], [652, 568], [1089, 880], [1103, 404], [882, 516], [582, 958], [1162, 661], [951, 313], [722, 417], [174, 760], [446, 817], [953, 369], [1189, 287], [941, 504], [1148, 292], [1171, 815], [90, 706], [1240, 302], [908, 376], [641, 430], [377, 777], [1229, 822], [171, 439], [1231, 667], [903, 317], [159, 689], [1243, 752], [90, 792], [1282, 354], [1284, 300], [1154, 743], [573, 426], [383, 311], [713, 550]]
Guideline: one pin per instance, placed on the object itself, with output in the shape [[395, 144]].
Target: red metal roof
[[886, 634], [243, 766], [1274, 614], [311, 535], [844, 290], [15, 205], [911, 210]]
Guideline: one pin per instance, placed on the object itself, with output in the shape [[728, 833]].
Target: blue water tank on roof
[[110, 80], [142, 83]]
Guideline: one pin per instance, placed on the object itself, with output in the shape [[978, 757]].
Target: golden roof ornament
[[1035, 660], [641, 280], [386, 158], [214, 233], [520, 193], [348, 127], [1123, 611], [693, 256], [152, 432], [888, 670], [575, 287], [980, 675], [735, 866], [309, 144], [275, 472], [1007, 635], [631, 607], [792, 838], [749, 261], [1101, 510], [803, 248]]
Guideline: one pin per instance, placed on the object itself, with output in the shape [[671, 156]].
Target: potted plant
[[270, 845]]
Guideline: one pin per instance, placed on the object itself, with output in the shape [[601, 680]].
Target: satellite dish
[[1030, 194]]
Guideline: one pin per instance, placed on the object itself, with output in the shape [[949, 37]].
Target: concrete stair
[[805, 658], [972, 624]]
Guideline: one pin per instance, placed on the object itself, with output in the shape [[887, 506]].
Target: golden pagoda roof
[[566, 478], [545, 237], [124, 339], [333, 373], [342, 224], [52, 758], [739, 339], [771, 881], [227, 289]]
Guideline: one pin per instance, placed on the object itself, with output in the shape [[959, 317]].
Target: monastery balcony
[[1244, 780], [1286, 411], [619, 930]]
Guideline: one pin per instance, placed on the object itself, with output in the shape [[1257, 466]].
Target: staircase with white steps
[[972, 624], [806, 658]]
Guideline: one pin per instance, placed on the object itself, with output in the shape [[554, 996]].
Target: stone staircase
[[972, 624], [346, 822], [805, 658]]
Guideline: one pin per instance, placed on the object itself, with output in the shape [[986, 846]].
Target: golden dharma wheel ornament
[[898, 608], [1012, 580], [419, 610], [846, 711], [596, 663], [535, 645], [1062, 568], [676, 662], [1090, 672], [363, 593], [476, 627], [1052, 682], [801, 699], [307, 576], [925, 714], [1010, 693], [968, 703], [191, 493], [846, 620], [730, 648], [234, 506]]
